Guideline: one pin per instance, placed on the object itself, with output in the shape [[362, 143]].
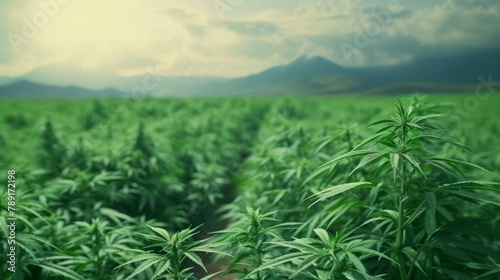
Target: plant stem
[[399, 238], [259, 263], [401, 222], [402, 198], [176, 260], [97, 248]]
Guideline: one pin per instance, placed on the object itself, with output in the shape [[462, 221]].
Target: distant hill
[[27, 89], [303, 76], [6, 81], [318, 76], [431, 74]]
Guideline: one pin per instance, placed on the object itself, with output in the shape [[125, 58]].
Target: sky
[[230, 38]]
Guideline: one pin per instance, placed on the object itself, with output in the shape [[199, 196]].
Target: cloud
[[186, 18], [325, 8], [249, 27], [188, 38], [178, 13], [190, 22], [452, 27], [261, 49], [196, 30]]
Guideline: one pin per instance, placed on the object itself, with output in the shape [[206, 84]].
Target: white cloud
[[188, 38]]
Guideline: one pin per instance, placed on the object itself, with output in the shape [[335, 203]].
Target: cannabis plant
[[247, 240], [404, 151], [169, 255]]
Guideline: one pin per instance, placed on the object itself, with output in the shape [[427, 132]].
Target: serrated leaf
[[415, 164], [211, 275], [161, 269], [412, 255], [430, 222], [60, 270], [323, 235], [280, 260], [196, 259], [357, 262], [304, 265], [374, 138], [430, 197], [145, 265], [419, 119], [346, 156], [381, 122], [464, 163], [335, 190], [394, 159], [163, 233], [366, 160]]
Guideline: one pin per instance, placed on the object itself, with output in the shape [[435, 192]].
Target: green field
[[262, 188]]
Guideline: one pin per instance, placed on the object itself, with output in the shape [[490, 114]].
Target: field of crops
[[304, 188]]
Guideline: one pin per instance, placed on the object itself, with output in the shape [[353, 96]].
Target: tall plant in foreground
[[247, 240], [415, 191], [332, 257], [169, 261]]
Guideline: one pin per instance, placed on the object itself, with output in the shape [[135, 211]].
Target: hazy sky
[[235, 37]]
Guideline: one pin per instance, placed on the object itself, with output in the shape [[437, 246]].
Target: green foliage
[[17, 121], [52, 152], [247, 240], [325, 257], [96, 115], [175, 249], [293, 188], [400, 150]]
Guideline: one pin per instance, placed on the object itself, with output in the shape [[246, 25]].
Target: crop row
[[268, 189]]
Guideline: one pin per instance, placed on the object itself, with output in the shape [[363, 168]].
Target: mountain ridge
[[28, 89], [306, 75]]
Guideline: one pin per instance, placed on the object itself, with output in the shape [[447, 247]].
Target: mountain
[[63, 77], [256, 84], [303, 76], [318, 76], [184, 86], [6, 80], [300, 69], [452, 69], [66, 76], [28, 89]]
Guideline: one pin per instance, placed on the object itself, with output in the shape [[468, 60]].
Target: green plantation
[[264, 189]]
